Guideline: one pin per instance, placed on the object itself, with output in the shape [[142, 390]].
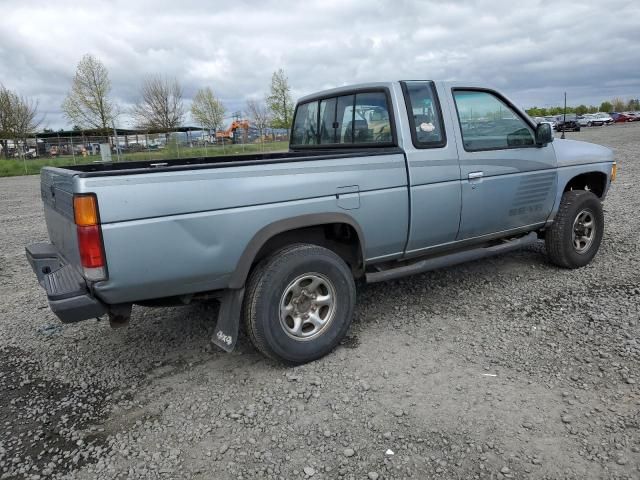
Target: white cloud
[[534, 50]]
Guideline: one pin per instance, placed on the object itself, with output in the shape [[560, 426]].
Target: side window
[[487, 123], [425, 119], [327, 121], [305, 128]]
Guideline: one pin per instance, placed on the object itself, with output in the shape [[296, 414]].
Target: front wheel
[[576, 232], [299, 303]]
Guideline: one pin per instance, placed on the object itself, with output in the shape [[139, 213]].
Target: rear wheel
[[576, 233], [299, 303]]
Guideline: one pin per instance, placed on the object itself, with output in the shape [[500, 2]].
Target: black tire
[[559, 238], [266, 291], [589, 124]]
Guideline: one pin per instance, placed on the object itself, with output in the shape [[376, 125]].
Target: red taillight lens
[[90, 246], [87, 219]]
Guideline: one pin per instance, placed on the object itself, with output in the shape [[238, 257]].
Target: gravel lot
[[502, 368]]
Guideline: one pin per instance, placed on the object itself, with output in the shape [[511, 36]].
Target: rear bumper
[[67, 291]]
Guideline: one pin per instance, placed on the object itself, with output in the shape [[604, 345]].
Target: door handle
[[475, 175]]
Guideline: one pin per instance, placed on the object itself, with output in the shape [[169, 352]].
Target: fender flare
[[240, 274]]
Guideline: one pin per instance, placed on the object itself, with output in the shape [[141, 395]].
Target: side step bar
[[450, 259]]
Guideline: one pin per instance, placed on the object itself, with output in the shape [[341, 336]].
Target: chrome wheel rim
[[307, 306], [584, 231]]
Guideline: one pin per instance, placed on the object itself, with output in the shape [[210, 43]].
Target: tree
[[260, 116], [17, 118], [606, 107], [633, 104], [161, 104], [279, 101], [6, 119], [207, 110], [88, 104], [581, 109], [26, 123], [618, 104]]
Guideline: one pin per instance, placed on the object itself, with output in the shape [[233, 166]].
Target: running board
[[450, 259]]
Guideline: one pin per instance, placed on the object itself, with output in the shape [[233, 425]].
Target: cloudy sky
[[532, 50]]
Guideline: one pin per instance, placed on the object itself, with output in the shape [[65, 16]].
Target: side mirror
[[544, 134]]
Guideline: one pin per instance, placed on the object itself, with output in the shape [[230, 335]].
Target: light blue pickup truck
[[381, 180]]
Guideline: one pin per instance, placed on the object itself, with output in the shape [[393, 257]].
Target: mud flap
[[228, 326]]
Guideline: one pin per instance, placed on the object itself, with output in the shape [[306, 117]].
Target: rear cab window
[[355, 119]]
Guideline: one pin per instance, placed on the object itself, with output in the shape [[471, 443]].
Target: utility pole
[[564, 119]]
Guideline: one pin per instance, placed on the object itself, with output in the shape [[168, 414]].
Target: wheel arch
[[595, 181], [308, 226]]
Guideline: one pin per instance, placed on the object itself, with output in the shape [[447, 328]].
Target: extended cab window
[[355, 119], [424, 114], [487, 123], [305, 129]]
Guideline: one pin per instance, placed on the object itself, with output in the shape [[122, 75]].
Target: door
[[433, 169], [508, 182]]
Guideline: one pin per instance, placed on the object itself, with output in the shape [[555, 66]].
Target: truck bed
[[180, 226], [138, 167]]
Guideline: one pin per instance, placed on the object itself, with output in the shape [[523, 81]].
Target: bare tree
[[88, 103], [207, 110], [161, 104], [18, 118], [279, 100], [260, 116], [618, 104], [6, 119]]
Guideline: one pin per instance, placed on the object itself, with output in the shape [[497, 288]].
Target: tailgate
[[56, 187]]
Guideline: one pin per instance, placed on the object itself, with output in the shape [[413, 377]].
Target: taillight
[[90, 245], [87, 219]]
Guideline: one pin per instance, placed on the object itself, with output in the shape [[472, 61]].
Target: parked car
[[26, 153], [567, 123], [621, 117], [371, 189], [594, 119], [552, 121], [601, 118], [552, 124]]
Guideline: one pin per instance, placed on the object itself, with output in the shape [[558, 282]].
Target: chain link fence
[[28, 156]]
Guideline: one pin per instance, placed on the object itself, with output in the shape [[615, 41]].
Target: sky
[[533, 51]]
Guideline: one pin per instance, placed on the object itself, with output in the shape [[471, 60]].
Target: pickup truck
[[381, 180]]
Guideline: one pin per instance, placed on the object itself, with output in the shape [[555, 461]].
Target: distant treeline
[[615, 105]]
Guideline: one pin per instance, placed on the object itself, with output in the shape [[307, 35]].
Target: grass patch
[[15, 166]]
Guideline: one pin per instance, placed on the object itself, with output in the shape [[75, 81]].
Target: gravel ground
[[502, 368]]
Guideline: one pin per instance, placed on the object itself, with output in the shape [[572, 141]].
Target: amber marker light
[[85, 210]]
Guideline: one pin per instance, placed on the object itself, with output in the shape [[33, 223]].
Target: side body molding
[[239, 276]]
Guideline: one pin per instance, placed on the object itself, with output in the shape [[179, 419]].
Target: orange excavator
[[230, 133]]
